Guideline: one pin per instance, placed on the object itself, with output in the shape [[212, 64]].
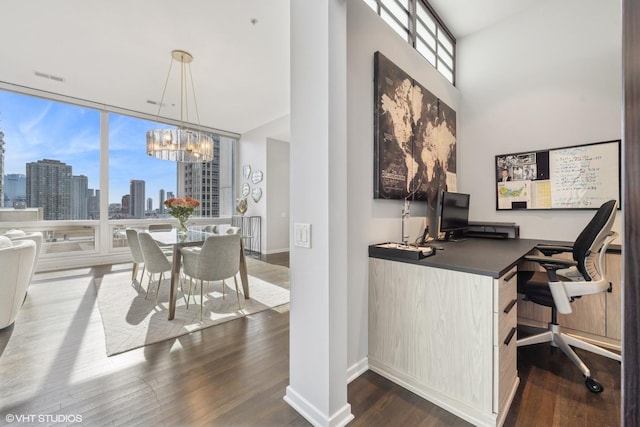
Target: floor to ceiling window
[[51, 158], [51, 173], [138, 184]]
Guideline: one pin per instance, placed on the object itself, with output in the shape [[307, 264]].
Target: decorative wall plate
[[246, 171], [256, 194], [256, 177], [246, 189]]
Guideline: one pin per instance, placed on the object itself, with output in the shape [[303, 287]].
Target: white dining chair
[[136, 253], [155, 260], [218, 259]]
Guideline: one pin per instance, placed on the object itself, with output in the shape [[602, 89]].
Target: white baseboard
[[313, 415], [275, 251], [357, 369]]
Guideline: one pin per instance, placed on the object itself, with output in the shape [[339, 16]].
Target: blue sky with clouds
[[36, 129]]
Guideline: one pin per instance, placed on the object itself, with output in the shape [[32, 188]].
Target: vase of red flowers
[[181, 209]]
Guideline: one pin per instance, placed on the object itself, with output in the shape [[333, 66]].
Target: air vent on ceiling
[[157, 103], [49, 76]]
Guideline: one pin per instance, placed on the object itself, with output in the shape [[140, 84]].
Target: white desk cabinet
[[448, 336]]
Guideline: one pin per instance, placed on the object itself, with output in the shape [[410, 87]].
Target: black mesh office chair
[[565, 280]]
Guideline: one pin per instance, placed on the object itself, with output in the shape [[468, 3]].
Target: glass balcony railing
[[71, 244]]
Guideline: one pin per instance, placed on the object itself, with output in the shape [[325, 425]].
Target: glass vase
[[182, 228]]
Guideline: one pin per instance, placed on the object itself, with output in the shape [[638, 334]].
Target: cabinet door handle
[[508, 308], [509, 277], [509, 337]]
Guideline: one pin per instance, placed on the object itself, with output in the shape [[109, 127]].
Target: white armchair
[[37, 237], [16, 264]]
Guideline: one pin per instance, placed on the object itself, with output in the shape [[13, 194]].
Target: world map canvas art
[[414, 136]]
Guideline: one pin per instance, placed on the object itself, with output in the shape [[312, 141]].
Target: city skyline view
[[37, 129]]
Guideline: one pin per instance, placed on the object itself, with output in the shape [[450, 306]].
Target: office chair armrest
[[549, 250], [551, 263]]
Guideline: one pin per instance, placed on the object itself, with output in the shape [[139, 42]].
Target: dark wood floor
[[53, 362], [279, 258]]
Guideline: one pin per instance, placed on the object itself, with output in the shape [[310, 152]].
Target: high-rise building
[[49, 187], [93, 204], [161, 205], [202, 182], [126, 206], [170, 195], [149, 204], [79, 187], [115, 210], [15, 190], [137, 198]]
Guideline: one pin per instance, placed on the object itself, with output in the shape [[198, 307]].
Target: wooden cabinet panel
[[440, 333], [589, 315], [434, 326], [614, 298]]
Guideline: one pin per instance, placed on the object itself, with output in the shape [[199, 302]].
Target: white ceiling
[[118, 52], [464, 17]]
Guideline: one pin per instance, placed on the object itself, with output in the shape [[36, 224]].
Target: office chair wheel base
[[593, 385]]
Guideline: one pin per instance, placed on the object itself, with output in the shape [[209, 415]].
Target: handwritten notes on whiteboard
[[585, 176]]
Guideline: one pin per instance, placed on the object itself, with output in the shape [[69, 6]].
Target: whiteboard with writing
[[578, 177], [584, 176]]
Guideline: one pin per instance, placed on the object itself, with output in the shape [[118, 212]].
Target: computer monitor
[[454, 214]]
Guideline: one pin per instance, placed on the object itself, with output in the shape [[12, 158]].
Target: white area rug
[[131, 321]]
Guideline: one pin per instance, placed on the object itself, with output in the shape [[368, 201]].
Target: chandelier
[[182, 144]]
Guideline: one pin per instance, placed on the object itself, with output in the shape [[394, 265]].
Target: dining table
[[193, 237]]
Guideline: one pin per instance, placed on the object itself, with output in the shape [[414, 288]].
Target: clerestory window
[[418, 24]]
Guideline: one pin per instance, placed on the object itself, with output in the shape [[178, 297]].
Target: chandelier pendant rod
[[164, 90], [184, 102], [195, 101]]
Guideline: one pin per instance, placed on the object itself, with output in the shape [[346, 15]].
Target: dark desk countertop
[[487, 257]]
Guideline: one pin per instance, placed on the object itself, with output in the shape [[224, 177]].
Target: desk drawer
[[507, 290], [506, 371], [507, 322], [505, 338], [506, 312]]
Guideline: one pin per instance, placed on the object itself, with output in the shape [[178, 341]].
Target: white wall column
[[266, 148], [318, 318]]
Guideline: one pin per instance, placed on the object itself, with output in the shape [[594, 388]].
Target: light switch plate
[[302, 234]]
